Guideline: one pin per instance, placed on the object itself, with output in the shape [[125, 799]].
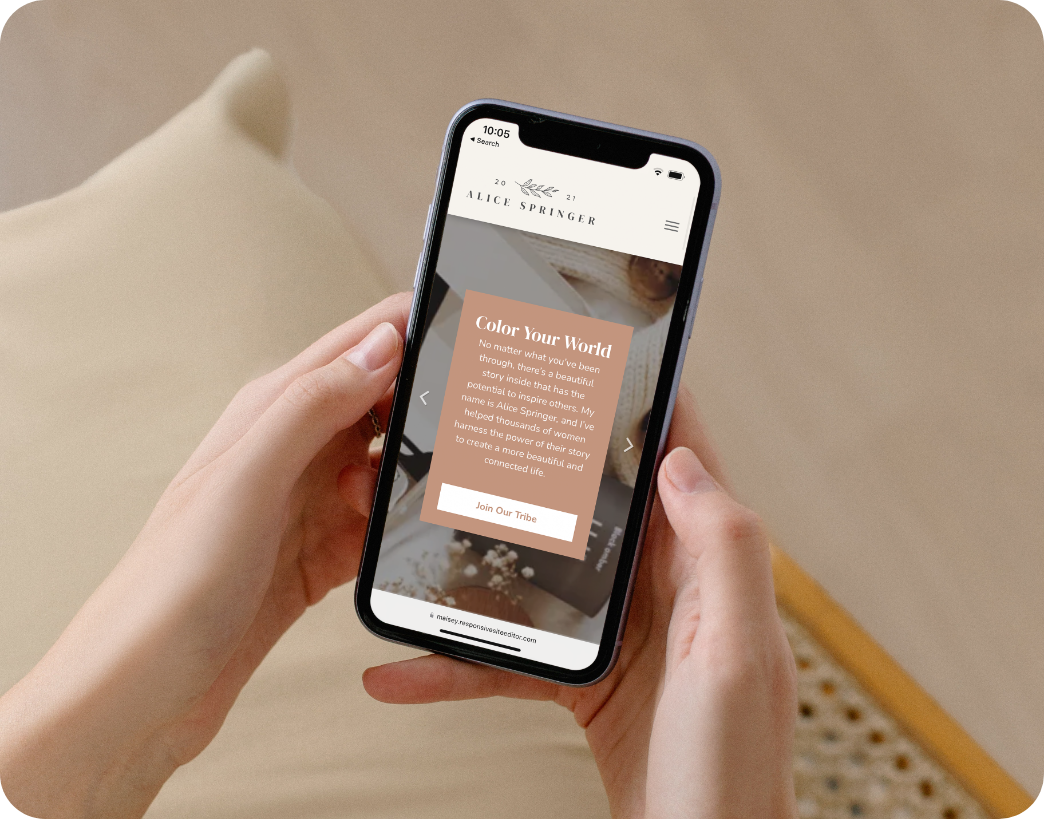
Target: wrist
[[62, 757]]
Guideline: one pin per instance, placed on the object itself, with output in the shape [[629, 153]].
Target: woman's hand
[[268, 515], [697, 717]]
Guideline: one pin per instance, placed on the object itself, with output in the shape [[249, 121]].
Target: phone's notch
[[576, 139]]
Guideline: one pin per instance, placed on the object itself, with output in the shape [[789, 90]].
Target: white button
[[506, 512]]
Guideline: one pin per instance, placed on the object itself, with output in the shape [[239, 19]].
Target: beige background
[[868, 347]]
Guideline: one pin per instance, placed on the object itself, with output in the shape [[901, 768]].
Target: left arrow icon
[[425, 403]]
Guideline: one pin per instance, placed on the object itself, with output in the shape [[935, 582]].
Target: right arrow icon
[[630, 446]]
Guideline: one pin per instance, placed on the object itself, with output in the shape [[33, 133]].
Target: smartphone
[[553, 302]]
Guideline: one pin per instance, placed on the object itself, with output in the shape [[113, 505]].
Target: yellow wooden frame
[[896, 691]]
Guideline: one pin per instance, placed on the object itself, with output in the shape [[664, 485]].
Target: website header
[[643, 212]]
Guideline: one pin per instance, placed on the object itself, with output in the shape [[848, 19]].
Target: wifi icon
[[657, 171]]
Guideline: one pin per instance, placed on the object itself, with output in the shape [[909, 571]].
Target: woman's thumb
[[733, 565]]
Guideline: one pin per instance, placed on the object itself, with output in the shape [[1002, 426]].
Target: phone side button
[[417, 275], [691, 318], [424, 244]]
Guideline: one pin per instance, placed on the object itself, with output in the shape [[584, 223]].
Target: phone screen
[[555, 282]]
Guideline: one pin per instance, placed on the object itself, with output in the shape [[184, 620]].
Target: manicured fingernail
[[376, 350], [686, 472]]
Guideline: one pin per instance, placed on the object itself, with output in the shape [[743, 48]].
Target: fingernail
[[685, 471], [376, 350]]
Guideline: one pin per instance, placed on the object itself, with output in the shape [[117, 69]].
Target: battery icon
[[675, 174]]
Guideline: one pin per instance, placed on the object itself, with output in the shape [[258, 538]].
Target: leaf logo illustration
[[529, 189]]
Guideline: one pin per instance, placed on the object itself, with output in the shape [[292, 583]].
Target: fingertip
[[406, 306], [372, 683], [682, 471], [367, 675], [383, 683], [357, 485], [379, 347], [417, 681]]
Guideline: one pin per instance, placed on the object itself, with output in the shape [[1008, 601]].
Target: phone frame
[[599, 141]]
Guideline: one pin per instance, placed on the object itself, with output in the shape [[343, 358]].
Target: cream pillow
[[131, 310]]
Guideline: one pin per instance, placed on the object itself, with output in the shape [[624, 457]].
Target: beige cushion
[[131, 310]]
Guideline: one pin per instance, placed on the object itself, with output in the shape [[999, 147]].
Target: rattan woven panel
[[851, 759]]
